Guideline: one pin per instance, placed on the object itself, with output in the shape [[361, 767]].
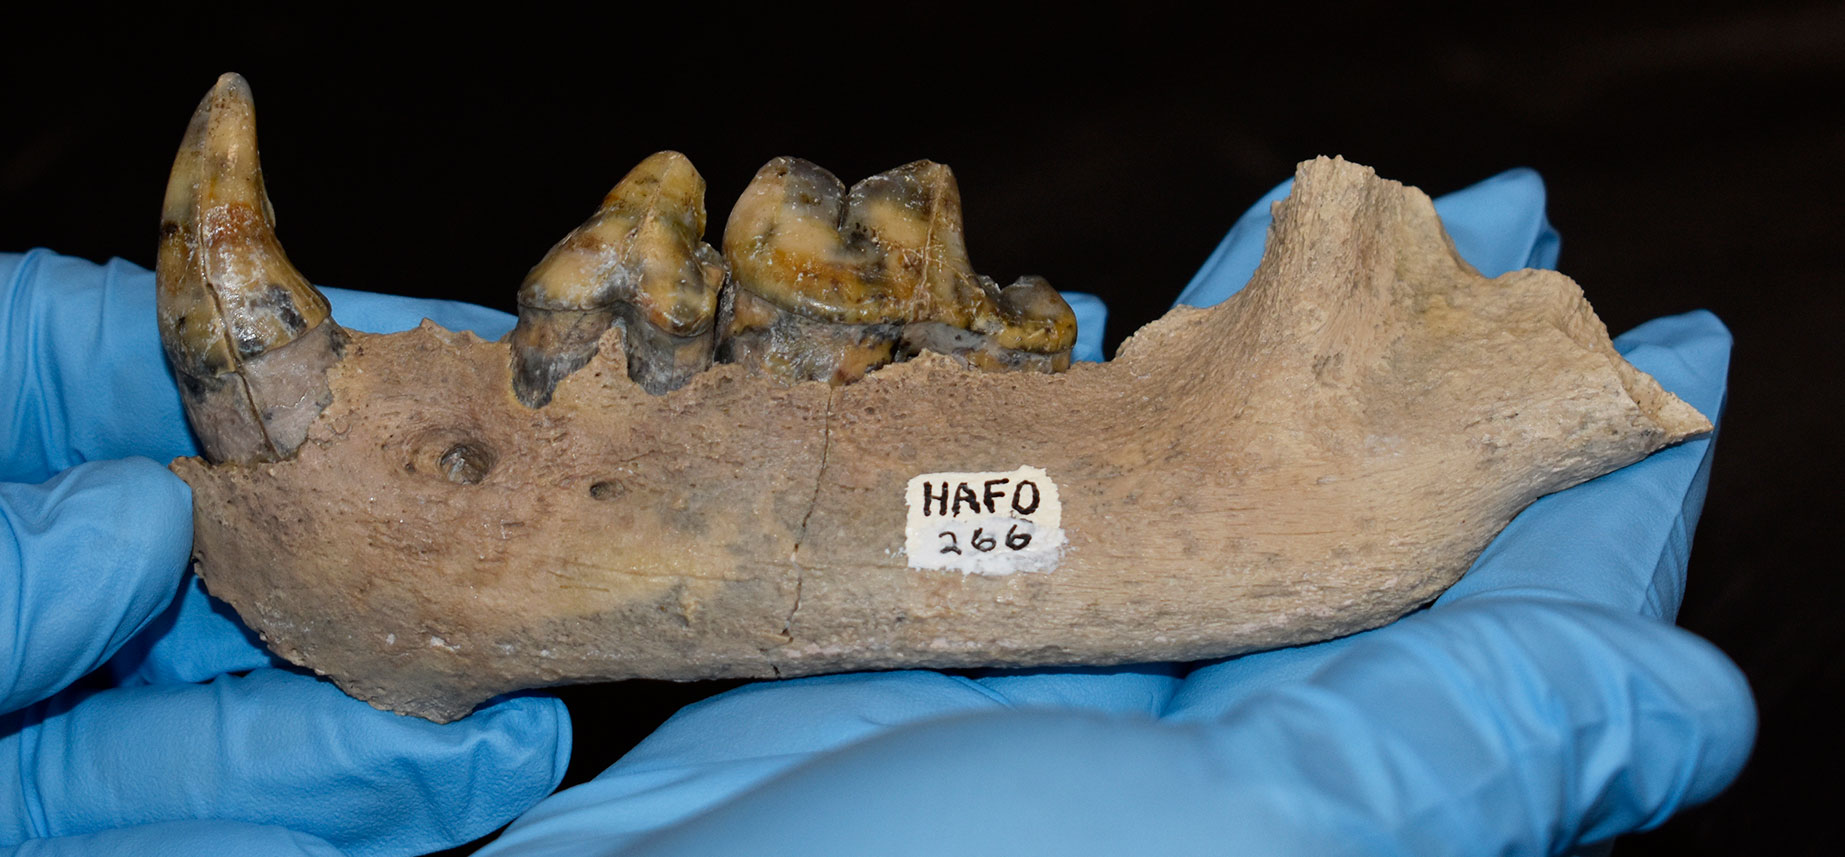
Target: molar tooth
[[831, 284], [638, 262], [248, 336]]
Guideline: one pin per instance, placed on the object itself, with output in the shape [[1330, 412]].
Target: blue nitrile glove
[[1544, 701], [175, 748]]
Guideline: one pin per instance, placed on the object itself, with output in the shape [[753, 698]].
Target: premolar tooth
[[249, 337], [830, 285], [639, 262]]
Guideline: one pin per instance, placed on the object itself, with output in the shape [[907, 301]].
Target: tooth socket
[[262, 411], [548, 345]]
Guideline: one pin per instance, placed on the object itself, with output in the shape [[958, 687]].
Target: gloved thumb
[[86, 559]]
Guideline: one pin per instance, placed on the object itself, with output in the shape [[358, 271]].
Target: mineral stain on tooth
[[248, 336], [829, 284], [638, 264]]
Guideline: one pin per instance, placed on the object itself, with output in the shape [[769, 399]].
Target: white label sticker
[[984, 523]]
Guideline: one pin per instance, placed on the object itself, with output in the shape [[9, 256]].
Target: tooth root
[[831, 284], [638, 263], [248, 336]]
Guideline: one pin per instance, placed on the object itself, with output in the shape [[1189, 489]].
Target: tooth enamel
[[638, 263], [831, 284], [249, 337]]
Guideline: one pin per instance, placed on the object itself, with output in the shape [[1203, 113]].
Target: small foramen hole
[[607, 490], [465, 463]]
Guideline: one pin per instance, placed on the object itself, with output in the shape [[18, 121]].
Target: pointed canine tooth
[[638, 262], [831, 284], [249, 337]]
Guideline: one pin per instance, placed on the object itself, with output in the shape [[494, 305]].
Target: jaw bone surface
[[1320, 454]]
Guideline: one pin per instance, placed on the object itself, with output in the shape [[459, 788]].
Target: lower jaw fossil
[[1320, 454]]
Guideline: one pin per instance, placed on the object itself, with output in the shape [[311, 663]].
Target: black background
[[1691, 150]]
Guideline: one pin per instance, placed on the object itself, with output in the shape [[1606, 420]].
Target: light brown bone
[[1320, 454]]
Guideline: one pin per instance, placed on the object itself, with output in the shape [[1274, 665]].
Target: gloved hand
[[191, 740], [1544, 701]]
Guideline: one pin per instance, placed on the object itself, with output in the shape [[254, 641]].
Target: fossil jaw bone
[[1318, 455]]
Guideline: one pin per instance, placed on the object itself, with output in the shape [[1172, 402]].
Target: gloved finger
[[276, 748], [86, 559], [80, 346], [373, 312], [1498, 225], [1471, 734], [179, 839], [715, 749], [1091, 321], [1138, 688], [1620, 541], [195, 638]]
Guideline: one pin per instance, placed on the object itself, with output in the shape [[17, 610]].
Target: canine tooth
[[830, 284], [638, 263], [248, 336]]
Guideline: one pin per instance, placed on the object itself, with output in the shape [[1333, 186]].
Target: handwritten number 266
[[984, 543]]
